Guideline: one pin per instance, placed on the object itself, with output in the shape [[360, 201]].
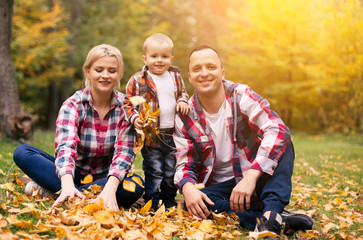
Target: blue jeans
[[272, 192], [159, 169], [40, 167]]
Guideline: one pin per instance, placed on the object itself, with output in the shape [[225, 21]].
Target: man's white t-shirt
[[166, 94], [223, 169]]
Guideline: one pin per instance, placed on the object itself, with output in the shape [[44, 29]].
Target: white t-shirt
[[166, 91], [223, 169]]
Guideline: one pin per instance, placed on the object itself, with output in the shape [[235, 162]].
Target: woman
[[92, 137]]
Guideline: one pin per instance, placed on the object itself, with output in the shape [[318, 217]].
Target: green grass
[[328, 171]]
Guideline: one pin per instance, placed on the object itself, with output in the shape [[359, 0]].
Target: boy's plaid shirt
[[141, 84], [82, 142], [258, 135]]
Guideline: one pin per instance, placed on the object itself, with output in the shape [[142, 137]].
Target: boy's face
[[158, 57]]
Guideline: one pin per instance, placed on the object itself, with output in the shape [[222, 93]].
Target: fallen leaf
[[263, 234], [146, 207], [87, 179], [104, 217]]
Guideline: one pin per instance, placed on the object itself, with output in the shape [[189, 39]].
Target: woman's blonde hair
[[97, 52]]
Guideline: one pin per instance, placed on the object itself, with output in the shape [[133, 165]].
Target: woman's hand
[[68, 190], [108, 193]]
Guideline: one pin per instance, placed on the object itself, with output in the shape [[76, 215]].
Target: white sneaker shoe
[[44, 193]]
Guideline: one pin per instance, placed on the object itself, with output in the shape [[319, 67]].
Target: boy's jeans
[[159, 168], [40, 167], [273, 192]]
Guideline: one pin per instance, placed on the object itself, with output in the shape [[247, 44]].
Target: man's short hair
[[203, 47], [157, 38]]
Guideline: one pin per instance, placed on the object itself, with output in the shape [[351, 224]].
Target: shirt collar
[[87, 97]]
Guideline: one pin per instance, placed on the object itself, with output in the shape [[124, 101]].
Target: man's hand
[[243, 191], [194, 200], [183, 107]]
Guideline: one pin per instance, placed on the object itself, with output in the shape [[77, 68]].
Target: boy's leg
[[38, 165], [152, 166], [167, 188]]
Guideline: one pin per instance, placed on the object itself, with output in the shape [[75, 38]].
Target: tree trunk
[[53, 104], [9, 96]]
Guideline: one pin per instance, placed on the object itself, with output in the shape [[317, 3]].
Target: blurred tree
[[294, 53], [40, 53], [13, 123]]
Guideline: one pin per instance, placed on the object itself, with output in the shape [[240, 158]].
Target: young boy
[[162, 87]]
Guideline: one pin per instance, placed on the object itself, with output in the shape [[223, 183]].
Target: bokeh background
[[304, 56]]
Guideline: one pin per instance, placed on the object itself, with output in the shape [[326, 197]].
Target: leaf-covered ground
[[327, 185]]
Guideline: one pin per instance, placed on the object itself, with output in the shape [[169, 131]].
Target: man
[[235, 145]]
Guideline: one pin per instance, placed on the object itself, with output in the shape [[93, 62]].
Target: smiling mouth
[[105, 82]]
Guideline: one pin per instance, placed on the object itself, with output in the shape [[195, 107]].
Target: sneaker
[[170, 203], [44, 193], [273, 224], [296, 221], [155, 205]]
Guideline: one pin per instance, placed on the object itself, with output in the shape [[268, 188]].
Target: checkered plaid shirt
[[258, 135], [82, 142], [141, 84]]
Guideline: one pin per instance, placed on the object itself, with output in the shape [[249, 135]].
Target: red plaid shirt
[[258, 135], [141, 84], [84, 143]]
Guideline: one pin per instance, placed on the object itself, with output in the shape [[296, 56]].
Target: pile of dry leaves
[[81, 220]]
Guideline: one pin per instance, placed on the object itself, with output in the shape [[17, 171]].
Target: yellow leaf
[[136, 100], [13, 220], [129, 186], [309, 234], [87, 179], [104, 217], [3, 223], [146, 207], [19, 182], [256, 235], [160, 211], [206, 226], [66, 219]]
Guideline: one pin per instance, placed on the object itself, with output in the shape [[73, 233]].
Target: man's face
[[206, 72]]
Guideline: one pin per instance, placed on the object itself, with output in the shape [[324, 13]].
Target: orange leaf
[[146, 207], [13, 220], [87, 179], [104, 217]]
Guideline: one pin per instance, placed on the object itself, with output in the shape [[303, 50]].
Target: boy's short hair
[[157, 38]]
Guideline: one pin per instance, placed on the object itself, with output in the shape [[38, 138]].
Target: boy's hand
[[138, 123], [183, 107]]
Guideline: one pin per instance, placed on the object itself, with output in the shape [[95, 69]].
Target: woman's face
[[103, 75]]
